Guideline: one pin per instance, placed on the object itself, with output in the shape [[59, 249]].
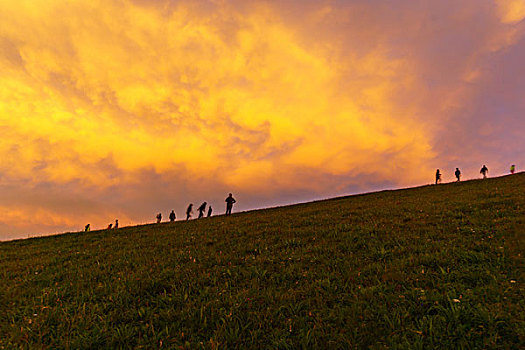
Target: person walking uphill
[[201, 209], [159, 218], [438, 177], [484, 171], [229, 204], [189, 211], [458, 174], [172, 216], [512, 168]]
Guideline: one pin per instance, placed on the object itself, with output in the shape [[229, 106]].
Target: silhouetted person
[[484, 170], [458, 174], [172, 216], [229, 204], [159, 218], [209, 211], [201, 209], [116, 224], [87, 228], [110, 226], [438, 176], [189, 211], [512, 168]]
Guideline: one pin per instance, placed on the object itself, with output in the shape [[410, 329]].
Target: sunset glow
[[124, 108]]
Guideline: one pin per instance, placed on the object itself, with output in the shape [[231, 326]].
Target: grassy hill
[[430, 267]]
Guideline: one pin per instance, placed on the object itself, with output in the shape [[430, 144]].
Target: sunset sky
[[126, 108]]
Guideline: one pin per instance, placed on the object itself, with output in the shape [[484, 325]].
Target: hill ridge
[[431, 267], [36, 236]]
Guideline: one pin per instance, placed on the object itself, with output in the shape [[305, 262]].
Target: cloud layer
[[126, 108]]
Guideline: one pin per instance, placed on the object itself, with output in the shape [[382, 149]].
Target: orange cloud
[[511, 11], [152, 90]]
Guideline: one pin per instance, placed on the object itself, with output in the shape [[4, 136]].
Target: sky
[[126, 108]]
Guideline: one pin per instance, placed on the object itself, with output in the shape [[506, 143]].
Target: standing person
[[229, 204], [116, 224], [172, 216], [110, 226], [201, 209], [512, 168], [189, 211], [458, 174], [484, 171], [87, 228], [159, 218], [209, 211], [438, 177]]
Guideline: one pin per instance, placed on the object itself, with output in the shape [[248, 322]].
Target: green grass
[[430, 267]]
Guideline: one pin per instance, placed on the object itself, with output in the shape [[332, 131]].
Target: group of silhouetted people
[[202, 210], [484, 171], [230, 201], [110, 226], [87, 228], [171, 216], [457, 173]]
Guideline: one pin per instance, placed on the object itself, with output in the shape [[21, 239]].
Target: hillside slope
[[430, 267]]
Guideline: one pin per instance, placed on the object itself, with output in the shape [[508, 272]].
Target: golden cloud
[[217, 92], [511, 11]]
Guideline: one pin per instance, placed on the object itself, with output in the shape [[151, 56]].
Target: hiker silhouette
[[159, 218], [189, 211], [201, 209], [484, 170], [172, 216], [209, 211], [438, 177], [458, 174], [512, 168], [87, 228], [110, 226], [229, 204], [116, 223]]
